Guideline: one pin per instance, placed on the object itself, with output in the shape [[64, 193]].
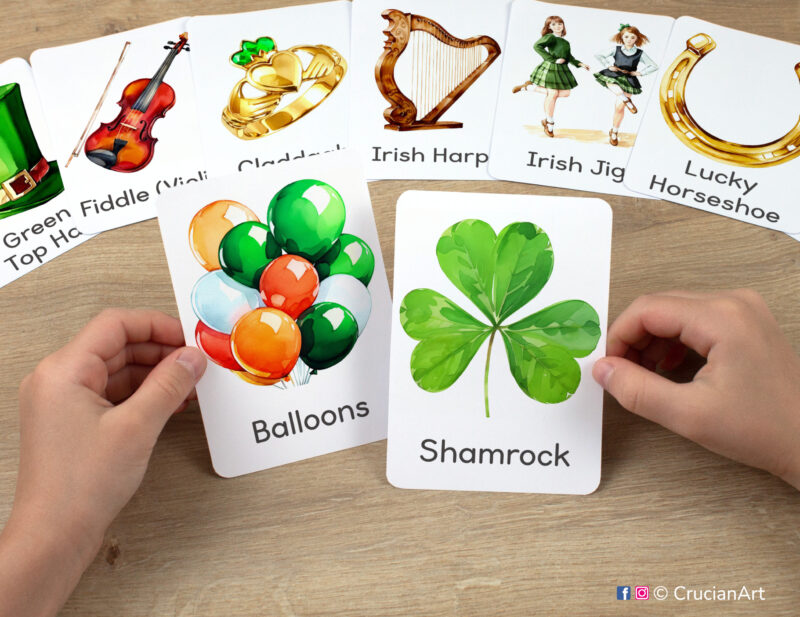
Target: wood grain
[[329, 535]]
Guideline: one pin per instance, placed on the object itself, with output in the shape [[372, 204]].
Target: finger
[[125, 382], [665, 316], [148, 354], [646, 393], [108, 333], [165, 389]]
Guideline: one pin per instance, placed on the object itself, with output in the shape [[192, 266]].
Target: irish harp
[[437, 69]]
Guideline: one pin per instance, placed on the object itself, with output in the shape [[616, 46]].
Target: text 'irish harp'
[[437, 70]]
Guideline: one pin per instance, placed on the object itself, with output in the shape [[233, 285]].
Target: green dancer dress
[[549, 74]]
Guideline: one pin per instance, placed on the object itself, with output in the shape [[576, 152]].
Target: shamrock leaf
[[244, 56], [499, 274]]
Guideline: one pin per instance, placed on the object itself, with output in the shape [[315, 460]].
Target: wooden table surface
[[330, 535]]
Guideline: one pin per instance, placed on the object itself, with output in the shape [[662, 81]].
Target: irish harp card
[[574, 86], [425, 78]]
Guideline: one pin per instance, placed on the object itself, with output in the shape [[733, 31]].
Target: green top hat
[[19, 154]]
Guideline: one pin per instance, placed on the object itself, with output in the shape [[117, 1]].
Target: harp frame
[[402, 114]]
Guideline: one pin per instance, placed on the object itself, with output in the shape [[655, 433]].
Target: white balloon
[[350, 293]]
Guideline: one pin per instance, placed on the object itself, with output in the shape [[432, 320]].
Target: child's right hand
[[744, 403]]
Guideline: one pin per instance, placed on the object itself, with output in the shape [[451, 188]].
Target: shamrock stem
[[486, 373]]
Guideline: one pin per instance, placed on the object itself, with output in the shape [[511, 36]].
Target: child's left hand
[[90, 414]]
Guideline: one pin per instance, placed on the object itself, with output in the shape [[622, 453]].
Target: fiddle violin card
[[740, 160], [499, 314], [36, 225], [574, 86], [143, 138], [425, 77], [279, 280], [272, 86]]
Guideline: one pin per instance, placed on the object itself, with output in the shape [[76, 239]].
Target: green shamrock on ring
[[244, 56], [500, 274]]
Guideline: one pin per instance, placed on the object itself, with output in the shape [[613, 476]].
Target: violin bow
[[76, 151]]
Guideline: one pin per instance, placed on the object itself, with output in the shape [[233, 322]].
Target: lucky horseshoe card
[[697, 148], [122, 118]]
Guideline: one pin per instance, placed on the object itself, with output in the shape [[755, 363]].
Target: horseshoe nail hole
[[670, 93], [689, 135], [676, 116], [790, 147]]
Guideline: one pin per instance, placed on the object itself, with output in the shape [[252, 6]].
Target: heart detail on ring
[[283, 71]]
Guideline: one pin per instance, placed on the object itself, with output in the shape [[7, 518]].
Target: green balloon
[[246, 250], [348, 255], [328, 332], [306, 217]]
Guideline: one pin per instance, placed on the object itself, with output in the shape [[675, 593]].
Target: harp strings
[[437, 69]]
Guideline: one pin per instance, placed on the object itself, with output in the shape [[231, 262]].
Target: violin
[[126, 144]]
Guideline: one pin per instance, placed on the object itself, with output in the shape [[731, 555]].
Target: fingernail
[[602, 372], [193, 360]]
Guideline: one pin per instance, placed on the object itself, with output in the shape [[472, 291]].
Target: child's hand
[[744, 403], [561, 61], [90, 415]]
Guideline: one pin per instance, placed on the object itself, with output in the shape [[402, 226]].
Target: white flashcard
[[143, 139], [723, 134], [279, 280], [574, 86], [272, 86], [425, 85], [36, 222], [499, 314]]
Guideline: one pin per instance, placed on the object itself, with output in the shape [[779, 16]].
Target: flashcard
[[279, 279], [272, 86], [499, 314], [425, 77], [123, 121], [698, 149], [574, 84], [36, 223]]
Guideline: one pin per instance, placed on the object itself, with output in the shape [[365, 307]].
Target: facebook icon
[[624, 592]]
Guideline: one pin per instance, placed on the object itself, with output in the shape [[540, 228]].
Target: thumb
[[167, 387], [642, 391]]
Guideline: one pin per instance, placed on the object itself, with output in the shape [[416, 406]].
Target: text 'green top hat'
[[19, 158]]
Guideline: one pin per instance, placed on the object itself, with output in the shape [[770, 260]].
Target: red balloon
[[216, 345], [290, 284]]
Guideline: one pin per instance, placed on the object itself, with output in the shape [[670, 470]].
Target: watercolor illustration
[[126, 144], [27, 179], [499, 274], [444, 68], [624, 64], [309, 73], [552, 77], [676, 114], [284, 299]]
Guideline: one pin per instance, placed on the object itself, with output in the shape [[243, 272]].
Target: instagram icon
[[642, 593]]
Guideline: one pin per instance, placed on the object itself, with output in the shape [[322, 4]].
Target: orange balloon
[[210, 224], [266, 342], [254, 379]]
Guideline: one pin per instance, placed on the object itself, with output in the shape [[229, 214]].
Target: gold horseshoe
[[680, 121]]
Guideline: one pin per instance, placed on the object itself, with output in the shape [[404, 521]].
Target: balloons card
[[709, 143], [275, 84], [122, 116], [499, 314], [574, 86], [425, 75], [280, 281]]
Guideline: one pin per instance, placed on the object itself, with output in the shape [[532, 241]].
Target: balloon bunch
[[283, 299]]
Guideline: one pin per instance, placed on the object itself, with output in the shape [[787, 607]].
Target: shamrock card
[[272, 86], [574, 84], [279, 280], [121, 113], [499, 314], [36, 223], [740, 160], [425, 77]]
